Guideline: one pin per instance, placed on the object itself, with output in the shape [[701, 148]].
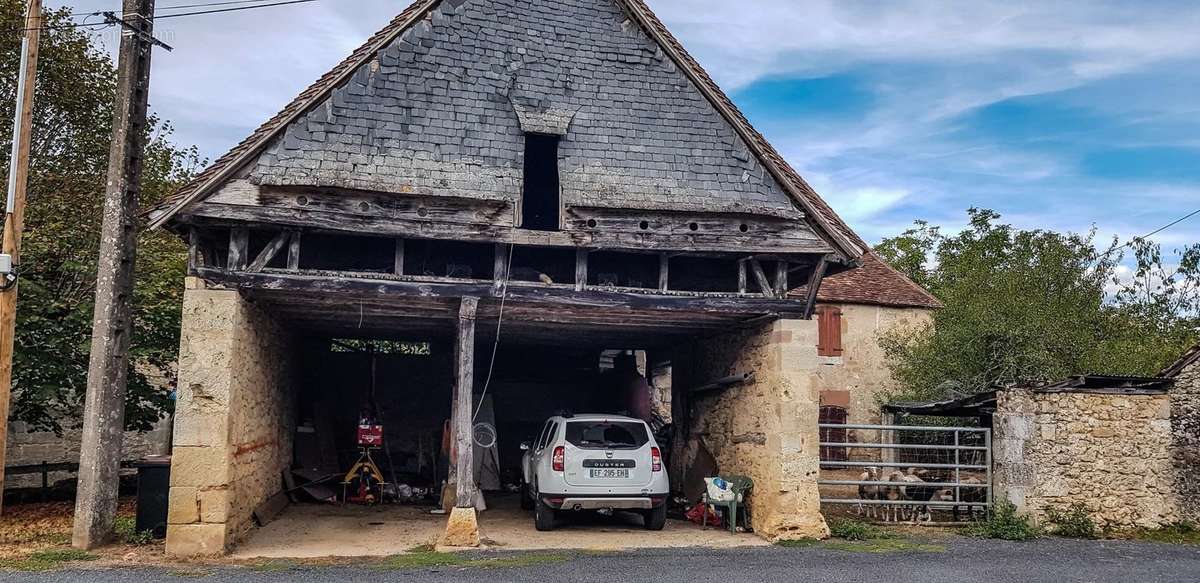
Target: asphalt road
[[962, 560]]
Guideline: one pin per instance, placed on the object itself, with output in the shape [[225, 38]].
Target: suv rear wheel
[[655, 518], [543, 515]]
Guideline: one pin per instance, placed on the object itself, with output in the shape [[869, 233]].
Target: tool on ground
[[364, 483]]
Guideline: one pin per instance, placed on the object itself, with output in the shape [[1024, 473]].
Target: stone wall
[[34, 447], [766, 428], [1110, 452], [233, 420], [1185, 427]]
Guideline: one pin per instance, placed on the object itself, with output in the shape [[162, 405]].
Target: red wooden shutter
[[829, 331]]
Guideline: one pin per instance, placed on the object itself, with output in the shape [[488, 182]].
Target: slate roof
[[1189, 358], [821, 215], [875, 283]]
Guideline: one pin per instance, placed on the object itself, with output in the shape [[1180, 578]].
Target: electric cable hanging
[[499, 322]]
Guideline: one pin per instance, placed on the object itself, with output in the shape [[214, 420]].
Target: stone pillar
[[1185, 446], [766, 428], [1014, 477], [233, 429]]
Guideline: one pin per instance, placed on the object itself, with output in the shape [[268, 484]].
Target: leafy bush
[[1073, 522], [126, 530], [1005, 524], [848, 529]]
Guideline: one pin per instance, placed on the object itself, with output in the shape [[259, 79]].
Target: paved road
[[1056, 561]]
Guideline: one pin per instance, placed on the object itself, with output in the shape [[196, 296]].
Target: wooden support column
[[743, 277], [664, 272], [500, 270], [239, 249], [764, 284], [781, 279], [581, 269], [464, 396], [294, 252], [398, 260], [195, 257]]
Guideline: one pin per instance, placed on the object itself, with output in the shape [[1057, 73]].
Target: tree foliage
[[76, 87], [1027, 305]]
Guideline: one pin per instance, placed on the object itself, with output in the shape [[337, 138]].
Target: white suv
[[594, 462]]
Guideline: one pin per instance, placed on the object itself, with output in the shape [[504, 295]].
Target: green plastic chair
[[741, 487]]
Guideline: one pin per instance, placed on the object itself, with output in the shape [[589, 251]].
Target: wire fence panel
[[906, 473]]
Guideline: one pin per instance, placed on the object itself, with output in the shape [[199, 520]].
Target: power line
[[1152, 233], [233, 6]]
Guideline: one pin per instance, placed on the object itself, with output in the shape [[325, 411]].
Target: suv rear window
[[607, 434]]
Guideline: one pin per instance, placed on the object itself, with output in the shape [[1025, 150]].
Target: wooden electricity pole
[[14, 220], [104, 408]]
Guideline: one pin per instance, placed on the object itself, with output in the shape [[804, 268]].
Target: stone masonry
[[767, 428], [233, 420], [1185, 422], [444, 109], [1109, 452]]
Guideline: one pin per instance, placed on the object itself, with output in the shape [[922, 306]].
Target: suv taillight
[[559, 460], [655, 459]]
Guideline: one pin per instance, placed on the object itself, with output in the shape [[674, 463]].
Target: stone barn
[[466, 219]]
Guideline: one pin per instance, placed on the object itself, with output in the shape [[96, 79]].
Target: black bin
[[153, 488]]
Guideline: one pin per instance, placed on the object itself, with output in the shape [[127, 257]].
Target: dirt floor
[[309, 531]]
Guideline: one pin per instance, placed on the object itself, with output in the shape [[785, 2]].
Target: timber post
[[18, 179], [463, 527], [112, 326]]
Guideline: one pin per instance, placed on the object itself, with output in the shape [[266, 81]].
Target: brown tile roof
[[875, 283], [822, 215], [1190, 357]]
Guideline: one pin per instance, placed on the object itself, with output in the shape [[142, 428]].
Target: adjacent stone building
[[1185, 432], [1101, 442]]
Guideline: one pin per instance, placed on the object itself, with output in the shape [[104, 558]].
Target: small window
[[829, 331], [540, 206]]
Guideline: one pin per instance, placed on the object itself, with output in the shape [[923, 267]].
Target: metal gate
[[901, 472]]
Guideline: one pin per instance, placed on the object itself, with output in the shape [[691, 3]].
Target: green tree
[[76, 86], [1026, 305]]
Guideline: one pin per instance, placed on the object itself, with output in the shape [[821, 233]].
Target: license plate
[[609, 474]]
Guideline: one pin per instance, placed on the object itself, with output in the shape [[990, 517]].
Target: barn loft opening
[[540, 198]]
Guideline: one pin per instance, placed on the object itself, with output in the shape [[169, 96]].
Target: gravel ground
[[954, 560]]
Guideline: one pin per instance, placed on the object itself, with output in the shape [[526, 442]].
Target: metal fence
[[900, 472]]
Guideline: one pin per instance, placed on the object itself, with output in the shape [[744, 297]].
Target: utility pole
[[104, 408], [14, 219]]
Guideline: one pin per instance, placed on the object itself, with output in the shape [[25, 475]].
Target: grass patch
[[46, 560], [884, 546], [1004, 524], [1072, 522], [428, 559], [272, 566], [126, 530], [1182, 533], [849, 529]]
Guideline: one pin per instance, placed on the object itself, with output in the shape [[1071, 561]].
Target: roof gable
[[353, 127], [1192, 356]]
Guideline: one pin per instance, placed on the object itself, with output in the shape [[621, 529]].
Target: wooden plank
[[375, 285], [581, 269], [195, 257], [664, 272], [761, 277], [464, 406], [274, 218], [781, 279], [398, 260], [239, 243], [270, 251], [294, 250], [814, 286]]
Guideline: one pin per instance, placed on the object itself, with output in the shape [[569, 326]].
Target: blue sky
[[1058, 114]]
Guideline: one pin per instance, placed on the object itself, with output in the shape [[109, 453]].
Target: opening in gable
[[540, 205]]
